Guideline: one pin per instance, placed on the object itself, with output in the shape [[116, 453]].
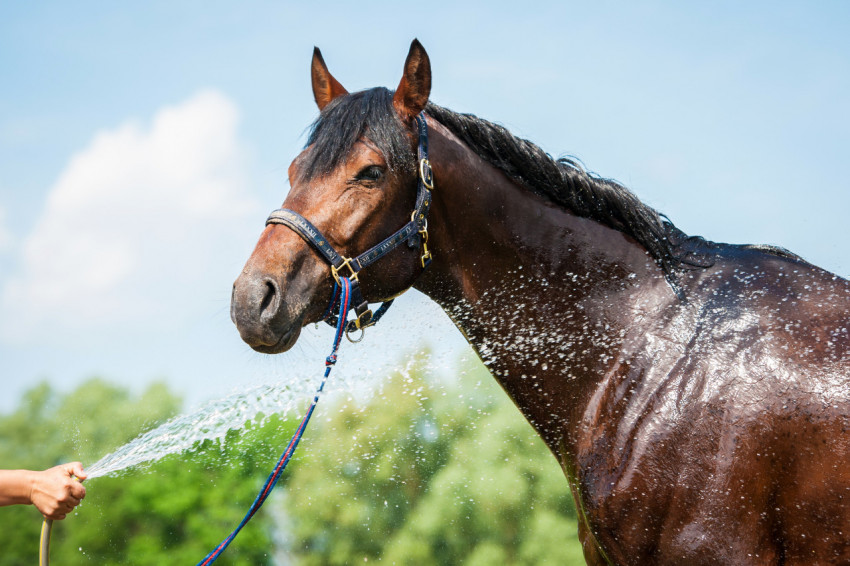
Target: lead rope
[[344, 300], [341, 294]]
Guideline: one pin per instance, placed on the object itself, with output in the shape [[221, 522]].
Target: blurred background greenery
[[423, 472]]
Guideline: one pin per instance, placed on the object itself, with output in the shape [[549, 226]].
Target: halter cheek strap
[[414, 232]]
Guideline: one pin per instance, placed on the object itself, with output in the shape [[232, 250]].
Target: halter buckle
[[426, 173], [346, 262], [364, 320]]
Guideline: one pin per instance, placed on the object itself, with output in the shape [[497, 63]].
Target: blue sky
[[142, 145]]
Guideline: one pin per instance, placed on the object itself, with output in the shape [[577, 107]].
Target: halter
[[415, 233]]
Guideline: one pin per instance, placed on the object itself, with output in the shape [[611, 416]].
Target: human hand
[[55, 492]]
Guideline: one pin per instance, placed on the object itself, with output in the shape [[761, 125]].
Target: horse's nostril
[[269, 299]]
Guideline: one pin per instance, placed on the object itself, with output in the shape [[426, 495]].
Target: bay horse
[[696, 394]]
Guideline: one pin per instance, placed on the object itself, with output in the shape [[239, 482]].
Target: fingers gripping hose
[[44, 546]]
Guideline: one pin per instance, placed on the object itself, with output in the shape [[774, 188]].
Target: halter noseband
[[415, 232]]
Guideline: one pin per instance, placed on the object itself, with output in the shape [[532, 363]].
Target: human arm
[[54, 491]]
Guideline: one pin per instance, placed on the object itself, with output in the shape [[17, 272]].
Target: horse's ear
[[325, 86], [411, 96]]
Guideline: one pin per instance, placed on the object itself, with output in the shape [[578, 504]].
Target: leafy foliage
[[173, 512], [423, 473], [431, 475]]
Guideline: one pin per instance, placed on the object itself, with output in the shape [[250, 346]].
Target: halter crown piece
[[415, 233]]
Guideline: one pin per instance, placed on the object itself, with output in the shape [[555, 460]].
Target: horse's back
[[780, 387], [807, 321], [734, 413]]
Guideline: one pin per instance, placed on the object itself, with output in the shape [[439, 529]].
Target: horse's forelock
[[366, 114]]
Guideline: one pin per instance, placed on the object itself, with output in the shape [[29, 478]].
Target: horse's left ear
[[411, 96]]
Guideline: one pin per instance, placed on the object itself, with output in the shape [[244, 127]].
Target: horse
[[696, 394]]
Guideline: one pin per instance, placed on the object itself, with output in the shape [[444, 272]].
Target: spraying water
[[211, 421], [359, 372]]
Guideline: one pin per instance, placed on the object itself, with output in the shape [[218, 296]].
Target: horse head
[[355, 184]]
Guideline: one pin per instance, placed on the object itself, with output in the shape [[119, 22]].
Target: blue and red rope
[[344, 292]]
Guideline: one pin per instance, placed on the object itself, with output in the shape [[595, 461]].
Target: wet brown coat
[[712, 430]]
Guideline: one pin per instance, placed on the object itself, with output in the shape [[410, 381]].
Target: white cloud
[[137, 226]]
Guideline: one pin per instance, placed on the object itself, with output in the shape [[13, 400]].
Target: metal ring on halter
[[349, 332]]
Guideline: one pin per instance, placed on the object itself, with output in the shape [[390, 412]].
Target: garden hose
[[44, 546]]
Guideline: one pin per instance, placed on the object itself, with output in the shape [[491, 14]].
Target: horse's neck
[[543, 296]]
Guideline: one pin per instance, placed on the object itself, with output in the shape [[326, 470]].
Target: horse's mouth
[[287, 340]]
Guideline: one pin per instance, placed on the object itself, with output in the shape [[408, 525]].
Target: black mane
[[565, 182], [369, 114]]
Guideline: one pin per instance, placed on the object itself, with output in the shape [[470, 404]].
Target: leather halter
[[415, 233]]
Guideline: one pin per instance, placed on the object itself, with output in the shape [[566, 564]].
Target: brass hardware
[[426, 255], [349, 332], [345, 263], [427, 179], [359, 322]]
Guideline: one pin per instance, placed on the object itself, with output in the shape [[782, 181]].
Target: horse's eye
[[370, 173]]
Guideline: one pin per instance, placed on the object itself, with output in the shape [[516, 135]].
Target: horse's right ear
[[325, 86]]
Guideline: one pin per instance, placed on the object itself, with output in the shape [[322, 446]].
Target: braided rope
[[344, 300]]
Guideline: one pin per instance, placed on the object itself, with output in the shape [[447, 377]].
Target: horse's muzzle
[[260, 314]]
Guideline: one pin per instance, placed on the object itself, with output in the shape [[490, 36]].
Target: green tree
[[48, 428], [424, 473], [172, 512], [429, 474]]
